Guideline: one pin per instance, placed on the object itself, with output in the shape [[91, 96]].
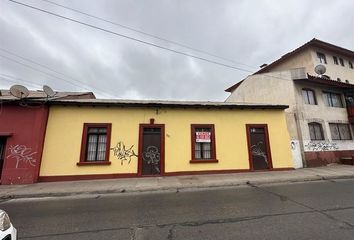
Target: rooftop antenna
[[320, 70], [19, 91], [49, 91]]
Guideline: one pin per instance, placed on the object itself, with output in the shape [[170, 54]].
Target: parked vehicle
[[7, 230]]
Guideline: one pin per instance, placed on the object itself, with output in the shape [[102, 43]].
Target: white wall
[[324, 115], [273, 88], [333, 70]]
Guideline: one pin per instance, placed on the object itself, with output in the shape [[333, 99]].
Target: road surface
[[311, 210]]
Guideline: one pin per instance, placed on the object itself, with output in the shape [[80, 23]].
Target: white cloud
[[248, 32]]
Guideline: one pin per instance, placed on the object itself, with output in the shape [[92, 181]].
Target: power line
[[17, 80], [51, 69], [145, 33], [53, 76], [141, 41], [132, 38], [39, 64]]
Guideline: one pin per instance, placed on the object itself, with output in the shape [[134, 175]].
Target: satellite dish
[[320, 69], [49, 91], [19, 91]]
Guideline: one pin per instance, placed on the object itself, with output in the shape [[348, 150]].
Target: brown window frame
[[321, 130], [341, 61], [84, 143], [350, 64], [330, 104], [335, 60], [314, 95], [212, 145], [321, 56], [340, 137]]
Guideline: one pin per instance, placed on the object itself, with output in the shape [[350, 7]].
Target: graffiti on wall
[[321, 146], [152, 157], [122, 153], [22, 154], [293, 145], [257, 151]]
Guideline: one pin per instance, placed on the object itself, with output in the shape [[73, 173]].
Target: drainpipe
[[299, 134]]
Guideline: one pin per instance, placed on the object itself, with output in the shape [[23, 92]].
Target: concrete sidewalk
[[151, 184]]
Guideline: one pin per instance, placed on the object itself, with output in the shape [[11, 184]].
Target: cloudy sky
[[37, 48]]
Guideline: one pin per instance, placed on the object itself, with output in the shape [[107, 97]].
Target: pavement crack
[[172, 233], [322, 212], [228, 220], [137, 233]]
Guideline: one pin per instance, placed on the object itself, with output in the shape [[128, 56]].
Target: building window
[[340, 131], [333, 99], [95, 143], [321, 57], [316, 132], [309, 96], [335, 60], [341, 61], [203, 143], [350, 64]]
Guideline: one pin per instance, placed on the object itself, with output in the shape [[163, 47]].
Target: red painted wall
[[322, 158], [25, 126]]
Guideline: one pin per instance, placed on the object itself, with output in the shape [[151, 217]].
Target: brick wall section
[[315, 159]]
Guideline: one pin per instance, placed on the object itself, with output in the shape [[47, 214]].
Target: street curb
[[199, 187]]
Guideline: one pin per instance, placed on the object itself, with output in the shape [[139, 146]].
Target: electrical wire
[[53, 76], [140, 41], [34, 62], [146, 34], [53, 70], [12, 79], [132, 38]]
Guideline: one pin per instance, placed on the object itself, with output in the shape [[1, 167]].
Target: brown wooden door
[[151, 151], [2, 152], [258, 144]]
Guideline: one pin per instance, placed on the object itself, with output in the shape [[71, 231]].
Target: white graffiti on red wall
[[123, 154], [321, 146], [22, 154]]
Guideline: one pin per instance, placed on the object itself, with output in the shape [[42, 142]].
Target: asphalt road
[[312, 210]]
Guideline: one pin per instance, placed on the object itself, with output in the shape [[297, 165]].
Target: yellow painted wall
[[65, 126]]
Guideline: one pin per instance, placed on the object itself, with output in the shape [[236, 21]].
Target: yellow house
[[95, 138]]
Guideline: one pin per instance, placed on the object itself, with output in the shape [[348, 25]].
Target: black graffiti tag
[[122, 153]]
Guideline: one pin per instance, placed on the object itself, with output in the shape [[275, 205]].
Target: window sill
[[93, 163], [204, 161]]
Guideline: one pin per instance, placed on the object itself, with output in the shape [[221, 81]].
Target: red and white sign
[[202, 136]]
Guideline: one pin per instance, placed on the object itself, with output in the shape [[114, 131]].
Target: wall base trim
[[85, 177], [223, 171], [135, 175]]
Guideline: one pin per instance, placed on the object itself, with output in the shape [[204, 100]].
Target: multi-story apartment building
[[320, 115]]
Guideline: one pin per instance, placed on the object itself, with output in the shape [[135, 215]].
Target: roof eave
[[313, 43], [171, 105]]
